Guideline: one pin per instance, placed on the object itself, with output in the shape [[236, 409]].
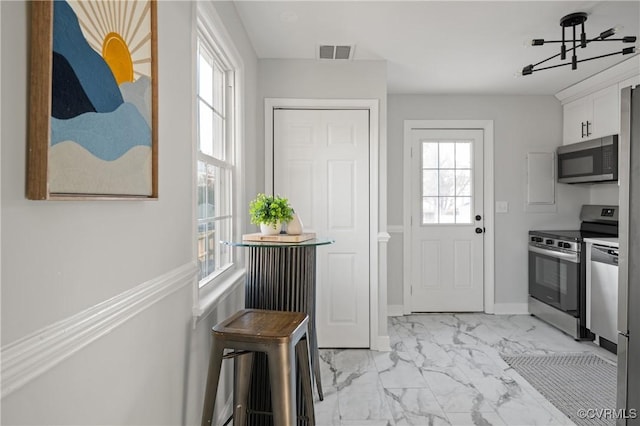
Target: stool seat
[[258, 325], [282, 336]]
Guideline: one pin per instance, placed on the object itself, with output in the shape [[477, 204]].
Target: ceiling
[[443, 47]]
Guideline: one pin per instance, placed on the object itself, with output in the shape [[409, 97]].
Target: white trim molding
[[395, 310], [395, 229], [488, 186], [33, 355], [613, 75], [377, 197], [511, 308]]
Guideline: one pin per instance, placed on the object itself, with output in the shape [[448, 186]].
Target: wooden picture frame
[[93, 113]]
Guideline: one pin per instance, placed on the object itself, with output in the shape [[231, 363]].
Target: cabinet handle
[[588, 132], [583, 126]]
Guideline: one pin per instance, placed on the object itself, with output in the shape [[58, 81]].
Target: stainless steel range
[[557, 270]]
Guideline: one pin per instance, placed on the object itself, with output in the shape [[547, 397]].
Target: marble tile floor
[[444, 369]]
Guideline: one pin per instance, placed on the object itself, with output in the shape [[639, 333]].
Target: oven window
[[554, 282], [551, 274]]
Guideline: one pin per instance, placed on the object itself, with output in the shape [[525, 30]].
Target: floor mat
[[579, 385]]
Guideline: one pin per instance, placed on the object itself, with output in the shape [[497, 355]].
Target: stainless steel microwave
[[595, 160]]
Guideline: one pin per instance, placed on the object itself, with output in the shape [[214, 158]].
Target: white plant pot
[[294, 227], [270, 230]]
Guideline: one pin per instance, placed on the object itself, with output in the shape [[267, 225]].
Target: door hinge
[[411, 290], [411, 152]]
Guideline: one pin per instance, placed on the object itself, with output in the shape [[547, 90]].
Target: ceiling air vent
[[330, 51]]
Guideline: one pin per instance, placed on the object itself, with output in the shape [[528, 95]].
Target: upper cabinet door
[[576, 116], [606, 112], [593, 116]]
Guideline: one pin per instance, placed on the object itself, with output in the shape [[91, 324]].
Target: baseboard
[[395, 310], [510, 308], [384, 344], [33, 355]]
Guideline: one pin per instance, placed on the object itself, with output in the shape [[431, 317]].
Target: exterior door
[[447, 220], [321, 164]]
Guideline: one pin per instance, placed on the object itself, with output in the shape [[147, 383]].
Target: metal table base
[[281, 278]]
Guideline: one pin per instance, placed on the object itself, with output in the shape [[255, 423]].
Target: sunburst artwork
[[102, 116]]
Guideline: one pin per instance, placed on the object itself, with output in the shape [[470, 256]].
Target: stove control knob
[[560, 244], [549, 242], [567, 245]]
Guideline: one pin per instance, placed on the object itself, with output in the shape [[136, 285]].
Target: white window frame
[[209, 26]]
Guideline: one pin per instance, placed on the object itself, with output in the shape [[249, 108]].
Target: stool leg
[[243, 364], [282, 377], [211, 389], [315, 361], [302, 351]]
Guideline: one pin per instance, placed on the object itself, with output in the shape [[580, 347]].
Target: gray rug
[[571, 382]]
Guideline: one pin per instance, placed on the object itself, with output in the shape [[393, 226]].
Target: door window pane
[[446, 155], [463, 155], [463, 209], [463, 182], [430, 210], [430, 155], [430, 183], [447, 183], [447, 186], [447, 209]]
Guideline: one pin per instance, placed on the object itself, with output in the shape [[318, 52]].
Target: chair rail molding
[[33, 355]]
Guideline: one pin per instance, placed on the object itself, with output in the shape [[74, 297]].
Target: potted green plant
[[270, 212]]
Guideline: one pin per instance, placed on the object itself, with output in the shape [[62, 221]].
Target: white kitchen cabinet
[[592, 116]]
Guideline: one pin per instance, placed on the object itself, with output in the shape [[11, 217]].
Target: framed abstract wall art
[[93, 100]]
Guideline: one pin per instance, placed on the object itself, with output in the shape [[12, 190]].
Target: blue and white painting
[[101, 109]]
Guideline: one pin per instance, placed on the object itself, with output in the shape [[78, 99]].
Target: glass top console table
[[282, 277]]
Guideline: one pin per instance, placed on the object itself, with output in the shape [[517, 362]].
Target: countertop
[[610, 242]]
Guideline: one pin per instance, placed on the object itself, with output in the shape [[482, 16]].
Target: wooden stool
[[281, 336]]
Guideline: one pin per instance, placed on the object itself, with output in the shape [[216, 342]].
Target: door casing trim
[[489, 223], [378, 336]]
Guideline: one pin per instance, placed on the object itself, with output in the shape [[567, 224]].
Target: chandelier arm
[[588, 41], [569, 63], [552, 66], [601, 56]]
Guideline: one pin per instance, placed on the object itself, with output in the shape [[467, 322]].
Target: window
[[446, 182], [215, 160]]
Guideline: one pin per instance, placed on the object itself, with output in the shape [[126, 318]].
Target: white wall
[[605, 194], [521, 124], [62, 258]]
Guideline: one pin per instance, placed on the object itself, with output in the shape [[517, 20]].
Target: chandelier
[[572, 21]]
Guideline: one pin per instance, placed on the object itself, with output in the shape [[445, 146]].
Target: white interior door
[[447, 220], [321, 163]]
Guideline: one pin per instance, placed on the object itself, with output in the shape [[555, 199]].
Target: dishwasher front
[[604, 293]]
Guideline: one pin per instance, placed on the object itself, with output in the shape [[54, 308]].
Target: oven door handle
[[570, 257]]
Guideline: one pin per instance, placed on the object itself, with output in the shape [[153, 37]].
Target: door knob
[[478, 217], [479, 230]]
